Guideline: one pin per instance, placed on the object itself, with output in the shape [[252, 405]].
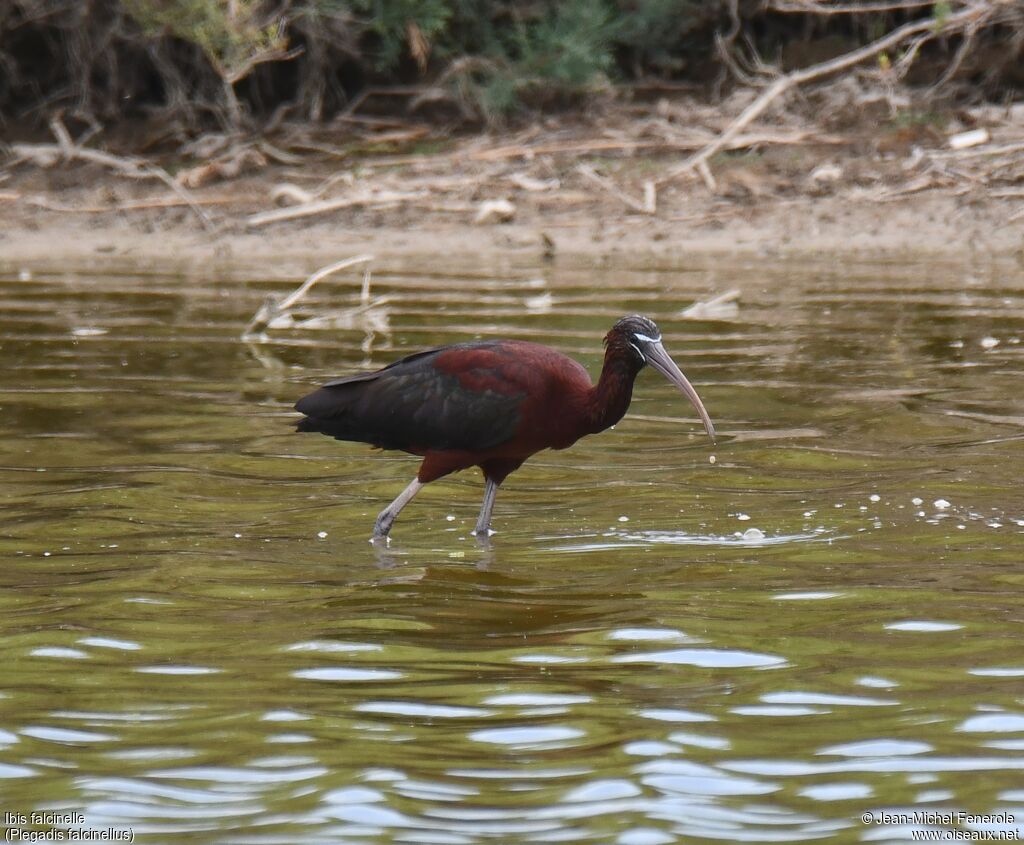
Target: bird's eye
[[643, 358]]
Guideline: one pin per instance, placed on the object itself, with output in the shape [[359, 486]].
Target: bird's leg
[[483, 522], [385, 520]]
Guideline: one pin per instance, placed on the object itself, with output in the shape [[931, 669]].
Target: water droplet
[[321, 534]]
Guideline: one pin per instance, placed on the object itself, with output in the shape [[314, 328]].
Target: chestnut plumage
[[490, 404]]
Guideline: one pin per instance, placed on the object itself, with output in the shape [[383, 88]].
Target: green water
[[200, 645]]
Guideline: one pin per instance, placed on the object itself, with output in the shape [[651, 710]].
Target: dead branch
[[273, 308], [47, 155], [735, 142], [311, 209], [971, 17], [127, 205], [589, 173], [323, 273], [812, 7], [979, 153], [724, 306]]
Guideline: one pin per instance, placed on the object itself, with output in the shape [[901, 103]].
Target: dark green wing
[[455, 397]]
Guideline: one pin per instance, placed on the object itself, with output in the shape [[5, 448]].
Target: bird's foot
[[483, 535], [380, 539], [382, 527]]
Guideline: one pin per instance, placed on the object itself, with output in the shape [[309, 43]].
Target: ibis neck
[[609, 398]]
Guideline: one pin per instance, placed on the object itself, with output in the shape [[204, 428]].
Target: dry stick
[[814, 8], [63, 136], [922, 184], [977, 153], [650, 197], [790, 80], [597, 146], [707, 176], [364, 293], [611, 188], [165, 177], [324, 206], [47, 154], [271, 308], [129, 166], [322, 273], [129, 205], [394, 91]]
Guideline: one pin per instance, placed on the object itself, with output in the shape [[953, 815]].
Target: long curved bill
[[658, 358]]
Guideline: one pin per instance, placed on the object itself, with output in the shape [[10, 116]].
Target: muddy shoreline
[[794, 190], [929, 227]]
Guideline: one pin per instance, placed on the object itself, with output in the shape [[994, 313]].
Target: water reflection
[[199, 643]]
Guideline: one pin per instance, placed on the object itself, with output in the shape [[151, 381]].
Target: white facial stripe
[[638, 352], [647, 339]]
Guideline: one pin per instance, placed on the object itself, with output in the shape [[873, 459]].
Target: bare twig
[[736, 141], [650, 197], [976, 153], [272, 308], [810, 7], [165, 177], [128, 205], [322, 273], [707, 176], [311, 209], [46, 155], [588, 172]]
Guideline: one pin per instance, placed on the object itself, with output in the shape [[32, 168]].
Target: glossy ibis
[[490, 404]]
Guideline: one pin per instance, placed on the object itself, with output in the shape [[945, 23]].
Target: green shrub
[[239, 58], [231, 35]]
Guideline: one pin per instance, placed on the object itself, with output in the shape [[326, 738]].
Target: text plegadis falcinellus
[[490, 404]]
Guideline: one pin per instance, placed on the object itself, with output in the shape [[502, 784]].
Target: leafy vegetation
[[235, 60]]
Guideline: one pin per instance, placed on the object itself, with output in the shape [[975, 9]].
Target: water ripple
[[709, 658]]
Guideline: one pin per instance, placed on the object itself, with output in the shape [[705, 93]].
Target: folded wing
[[458, 397]]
